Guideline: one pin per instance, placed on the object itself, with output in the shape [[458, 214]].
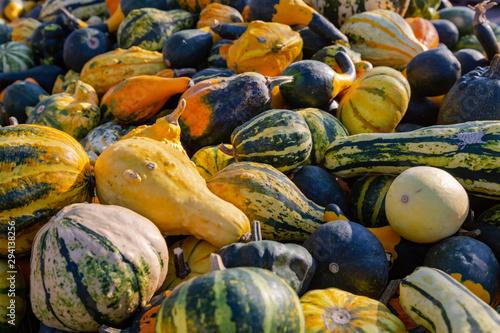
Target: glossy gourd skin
[[242, 299], [470, 262], [210, 159], [163, 185], [64, 179], [265, 194], [289, 261], [18, 96], [336, 310], [348, 257], [71, 287]]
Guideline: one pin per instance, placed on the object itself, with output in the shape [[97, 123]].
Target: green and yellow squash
[[82, 9], [13, 294], [440, 303], [210, 159], [15, 57], [468, 151], [149, 28], [335, 310], [266, 195], [426, 9], [280, 138], [107, 70], [33, 191], [242, 299], [162, 184], [382, 37], [74, 111], [22, 29], [63, 81], [95, 264]]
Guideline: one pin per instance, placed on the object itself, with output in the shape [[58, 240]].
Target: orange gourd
[[112, 6], [139, 98], [221, 13], [424, 31]]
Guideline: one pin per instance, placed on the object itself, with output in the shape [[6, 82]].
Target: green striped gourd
[[339, 11], [325, 128], [149, 28], [440, 303], [265, 194], [468, 151], [367, 200], [82, 9], [95, 264], [15, 57], [43, 170], [491, 215], [12, 296], [280, 138], [382, 37], [242, 299], [210, 159]]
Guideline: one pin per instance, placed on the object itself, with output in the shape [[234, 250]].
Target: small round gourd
[[82, 45], [426, 204]]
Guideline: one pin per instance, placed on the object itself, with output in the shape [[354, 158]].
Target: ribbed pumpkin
[[15, 57], [335, 310], [95, 264], [266, 48], [109, 69], [74, 111], [376, 102], [382, 37], [196, 255], [210, 159], [61, 179], [12, 293], [220, 12]]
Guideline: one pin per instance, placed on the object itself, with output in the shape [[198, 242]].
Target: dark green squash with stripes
[[265, 194], [438, 302], [149, 28], [325, 128], [469, 261], [242, 299], [82, 9], [468, 151], [280, 138], [95, 264], [367, 200], [57, 170], [210, 159]]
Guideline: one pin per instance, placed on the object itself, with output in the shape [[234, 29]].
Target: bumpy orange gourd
[[266, 48], [139, 98], [165, 129]]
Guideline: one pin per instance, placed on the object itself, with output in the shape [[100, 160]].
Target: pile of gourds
[[249, 166]]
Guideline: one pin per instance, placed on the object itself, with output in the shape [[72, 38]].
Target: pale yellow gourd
[[162, 184]]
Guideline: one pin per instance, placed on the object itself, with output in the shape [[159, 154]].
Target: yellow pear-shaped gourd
[[165, 129], [162, 184]]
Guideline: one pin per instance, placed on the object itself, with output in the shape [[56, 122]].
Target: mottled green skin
[[467, 258], [423, 8], [149, 28], [280, 138], [15, 57], [367, 200], [363, 268], [292, 262], [233, 300], [461, 16], [82, 9]]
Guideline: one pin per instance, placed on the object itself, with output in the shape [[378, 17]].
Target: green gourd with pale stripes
[[15, 57]]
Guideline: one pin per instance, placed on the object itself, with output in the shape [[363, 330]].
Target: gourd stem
[[216, 263], [184, 71], [278, 80], [469, 233], [106, 329], [256, 233], [389, 291], [13, 121], [182, 269], [227, 151], [173, 118], [447, 4], [480, 14], [246, 238]]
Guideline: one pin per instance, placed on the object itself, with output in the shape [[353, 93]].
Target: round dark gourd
[[421, 111], [475, 96], [129, 5], [349, 257], [470, 59], [82, 45], [187, 48], [433, 72], [469, 261], [18, 96], [447, 31]]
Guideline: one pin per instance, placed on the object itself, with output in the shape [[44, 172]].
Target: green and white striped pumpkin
[[243, 299], [15, 57], [280, 138], [95, 264], [440, 303]]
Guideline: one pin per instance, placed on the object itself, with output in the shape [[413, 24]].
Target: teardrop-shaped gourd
[[162, 184], [139, 98]]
